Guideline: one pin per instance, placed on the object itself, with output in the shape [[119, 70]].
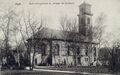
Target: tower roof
[[85, 8], [85, 4]]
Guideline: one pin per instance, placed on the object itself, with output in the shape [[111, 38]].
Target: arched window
[[68, 51], [43, 49], [38, 48], [78, 51], [86, 52], [88, 20], [82, 20], [36, 61], [79, 61], [86, 59], [56, 49], [94, 51]]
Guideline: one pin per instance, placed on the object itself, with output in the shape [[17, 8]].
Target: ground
[[49, 72], [46, 71]]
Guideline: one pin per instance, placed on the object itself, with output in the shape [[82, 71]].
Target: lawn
[[61, 71], [90, 69], [25, 72]]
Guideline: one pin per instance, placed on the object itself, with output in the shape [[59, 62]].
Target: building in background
[[74, 48]]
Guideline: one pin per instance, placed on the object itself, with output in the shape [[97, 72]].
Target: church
[[74, 48]]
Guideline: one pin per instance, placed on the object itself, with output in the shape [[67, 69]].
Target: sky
[[51, 10]]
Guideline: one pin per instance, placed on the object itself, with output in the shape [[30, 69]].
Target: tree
[[7, 20], [105, 55], [69, 29], [115, 56], [105, 52], [29, 26], [1, 52], [98, 29]]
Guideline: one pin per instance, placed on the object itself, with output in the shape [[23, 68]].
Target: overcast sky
[[52, 12]]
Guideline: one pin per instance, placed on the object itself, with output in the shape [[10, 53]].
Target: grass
[[92, 70], [24, 72]]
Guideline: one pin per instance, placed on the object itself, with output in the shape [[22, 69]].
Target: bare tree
[[69, 29], [98, 29], [6, 26], [68, 24], [1, 51], [29, 26], [16, 41]]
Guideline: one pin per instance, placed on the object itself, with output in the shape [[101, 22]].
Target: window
[[82, 20], [78, 51], [86, 59], [68, 51], [94, 51], [86, 52], [79, 61], [88, 20], [35, 61], [56, 49], [43, 49], [38, 48]]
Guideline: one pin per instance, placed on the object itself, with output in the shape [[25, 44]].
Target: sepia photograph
[[59, 37]]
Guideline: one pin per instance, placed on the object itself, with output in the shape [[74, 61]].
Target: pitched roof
[[57, 34], [47, 33]]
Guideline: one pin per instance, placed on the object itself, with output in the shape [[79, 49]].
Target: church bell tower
[[85, 19]]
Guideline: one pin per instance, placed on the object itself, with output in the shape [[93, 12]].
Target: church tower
[[85, 19]]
